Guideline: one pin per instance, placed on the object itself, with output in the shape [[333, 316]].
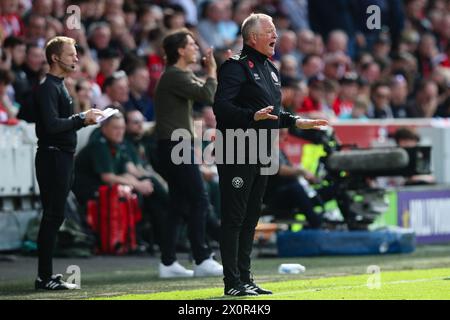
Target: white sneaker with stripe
[[54, 283], [240, 291]]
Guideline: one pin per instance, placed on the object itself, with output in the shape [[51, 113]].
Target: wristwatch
[[82, 115]]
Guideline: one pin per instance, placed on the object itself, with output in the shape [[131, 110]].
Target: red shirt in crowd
[[155, 65], [309, 105], [342, 107], [11, 25]]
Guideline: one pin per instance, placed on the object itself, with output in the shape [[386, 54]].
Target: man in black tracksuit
[[248, 97], [56, 128]]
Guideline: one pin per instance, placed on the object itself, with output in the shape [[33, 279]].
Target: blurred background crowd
[[331, 65]]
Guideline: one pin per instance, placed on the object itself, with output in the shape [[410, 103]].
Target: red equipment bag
[[114, 219]]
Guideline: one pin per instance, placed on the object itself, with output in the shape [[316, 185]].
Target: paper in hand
[[106, 114]]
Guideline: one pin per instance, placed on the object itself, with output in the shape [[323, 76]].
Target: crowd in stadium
[[331, 65]]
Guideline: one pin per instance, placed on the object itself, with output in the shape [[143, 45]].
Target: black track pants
[[54, 172], [242, 189]]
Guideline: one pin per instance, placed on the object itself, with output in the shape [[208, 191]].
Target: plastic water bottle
[[307, 187], [291, 268]]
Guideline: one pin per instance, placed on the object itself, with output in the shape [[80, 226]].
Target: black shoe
[[54, 283], [240, 291], [253, 287]]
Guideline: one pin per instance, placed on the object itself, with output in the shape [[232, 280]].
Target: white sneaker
[[175, 270], [208, 268]]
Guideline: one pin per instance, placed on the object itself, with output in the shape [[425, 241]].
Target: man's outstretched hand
[[311, 123], [264, 114]]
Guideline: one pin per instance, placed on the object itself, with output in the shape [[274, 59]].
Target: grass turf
[[418, 284], [121, 277]]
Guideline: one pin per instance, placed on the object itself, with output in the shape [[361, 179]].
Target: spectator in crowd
[[36, 30], [99, 37], [83, 95], [79, 34], [286, 44], [312, 65], [155, 61], [130, 10], [137, 141], [425, 103], [382, 47], [139, 99], [288, 67], [293, 92], [119, 32], [380, 96], [149, 22], [443, 31], [371, 72], [409, 41], [427, 54], [105, 161], [10, 21], [362, 59], [405, 63], [14, 57], [174, 18], [336, 64], [337, 41], [343, 105], [108, 61], [15, 51], [114, 8], [331, 93], [216, 27], [444, 109], [441, 76], [359, 110], [7, 110], [363, 88], [399, 96], [305, 43], [177, 89], [34, 69], [39, 7], [155, 207], [415, 11], [313, 106], [190, 8], [115, 90]]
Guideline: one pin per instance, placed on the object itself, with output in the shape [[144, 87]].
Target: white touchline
[[268, 297], [351, 287]]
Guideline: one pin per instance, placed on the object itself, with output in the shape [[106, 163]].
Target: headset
[[66, 64]]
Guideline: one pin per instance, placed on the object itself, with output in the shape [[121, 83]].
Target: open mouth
[[272, 44]]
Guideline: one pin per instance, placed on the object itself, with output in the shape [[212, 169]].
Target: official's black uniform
[[246, 84], [56, 131]]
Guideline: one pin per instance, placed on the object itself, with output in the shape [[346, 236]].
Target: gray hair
[[250, 23]]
